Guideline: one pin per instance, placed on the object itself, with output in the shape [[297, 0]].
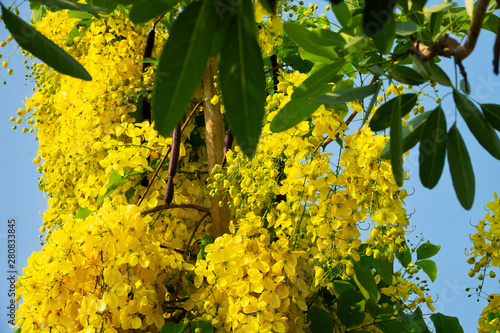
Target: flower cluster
[[117, 259]]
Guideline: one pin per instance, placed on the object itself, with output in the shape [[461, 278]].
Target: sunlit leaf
[[82, 213], [429, 267], [461, 171], [316, 80], [427, 250], [440, 7], [302, 36], [42, 47], [342, 13], [347, 95], [65, 4], [406, 28]]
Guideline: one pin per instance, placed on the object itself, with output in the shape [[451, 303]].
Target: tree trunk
[[214, 140]]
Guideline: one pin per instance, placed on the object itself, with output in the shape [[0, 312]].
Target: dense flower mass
[[307, 223]]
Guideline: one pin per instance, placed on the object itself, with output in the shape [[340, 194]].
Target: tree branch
[[172, 206], [449, 47]]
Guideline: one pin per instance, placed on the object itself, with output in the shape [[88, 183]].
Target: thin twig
[[168, 152], [172, 206], [279, 66], [178, 285]]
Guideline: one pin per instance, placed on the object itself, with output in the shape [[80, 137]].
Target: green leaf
[[414, 322], [347, 95], [406, 28], [42, 47], [492, 114], [365, 281], [432, 151], [411, 135], [427, 250], [83, 213], [465, 87], [397, 143], [385, 38], [172, 328], [204, 326], [145, 10], [342, 13], [350, 308], [269, 5], [469, 6], [242, 79], [303, 37], [391, 326], [385, 269], [295, 111], [38, 13], [406, 75], [327, 38], [382, 117], [429, 267], [317, 80], [110, 5], [478, 124], [341, 286], [376, 14], [129, 194], [115, 180], [182, 65], [404, 258], [65, 4], [446, 324], [437, 74], [440, 7], [321, 320], [461, 171], [435, 23], [208, 239]]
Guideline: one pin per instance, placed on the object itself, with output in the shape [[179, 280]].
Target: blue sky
[[437, 213]]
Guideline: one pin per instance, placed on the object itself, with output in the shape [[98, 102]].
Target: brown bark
[[449, 47], [214, 139]]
